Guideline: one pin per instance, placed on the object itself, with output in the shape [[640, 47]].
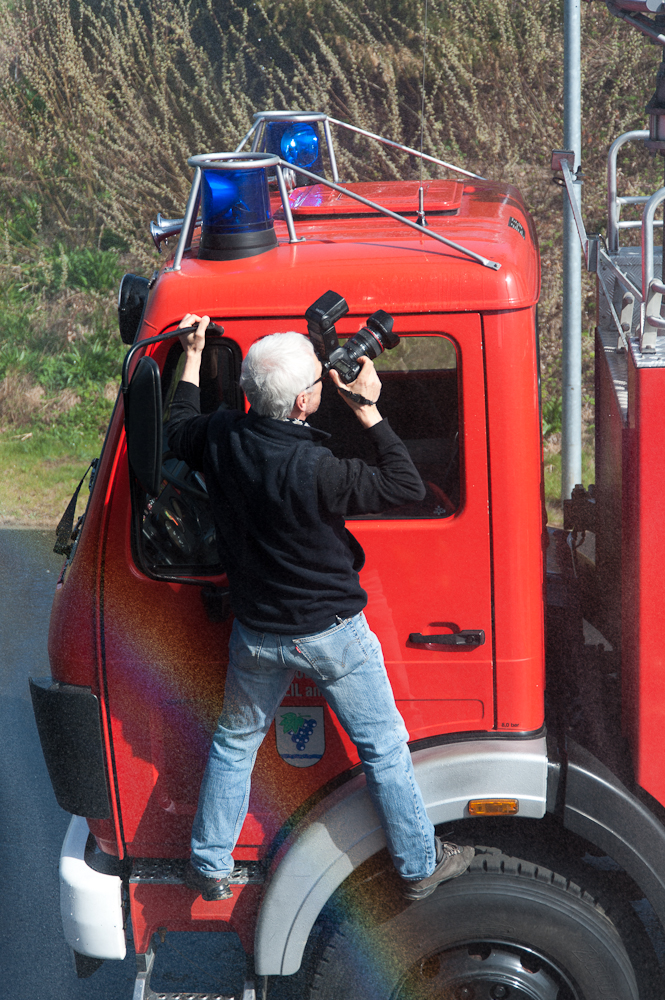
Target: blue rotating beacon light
[[236, 220], [295, 136], [299, 145]]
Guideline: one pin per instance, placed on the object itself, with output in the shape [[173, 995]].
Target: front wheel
[[505, 930]]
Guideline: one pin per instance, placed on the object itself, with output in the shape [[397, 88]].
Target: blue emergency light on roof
[[300, 145], [236, 220], [296, 141]]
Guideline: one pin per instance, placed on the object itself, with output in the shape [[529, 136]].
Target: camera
[[373, 339]]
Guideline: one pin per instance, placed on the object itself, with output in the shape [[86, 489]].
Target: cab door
[[427, 570]]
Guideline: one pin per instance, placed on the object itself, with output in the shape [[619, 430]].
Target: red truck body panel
[[643, 557], [630, 547]]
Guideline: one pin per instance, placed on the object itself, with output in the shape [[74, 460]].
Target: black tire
[[505, 930]]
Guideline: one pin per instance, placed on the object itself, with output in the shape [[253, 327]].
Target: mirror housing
[[132, 297], [143, 425]]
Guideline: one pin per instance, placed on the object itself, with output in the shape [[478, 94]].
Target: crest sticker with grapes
[[300, 735]]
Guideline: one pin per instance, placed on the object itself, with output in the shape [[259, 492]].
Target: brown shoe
[[451, 861]]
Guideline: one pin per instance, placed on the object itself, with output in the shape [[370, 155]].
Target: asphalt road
[[35, 961]]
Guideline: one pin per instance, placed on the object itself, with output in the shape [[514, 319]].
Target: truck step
[[143, 990], [152, 995], [171, 871]]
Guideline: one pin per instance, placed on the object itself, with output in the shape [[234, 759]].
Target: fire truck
[[526, 661]]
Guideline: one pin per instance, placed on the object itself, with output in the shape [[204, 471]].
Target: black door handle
[[467, 637]]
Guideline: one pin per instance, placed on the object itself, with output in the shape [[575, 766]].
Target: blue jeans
[[346, 663]]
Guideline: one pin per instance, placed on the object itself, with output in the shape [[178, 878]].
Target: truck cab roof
[[375, 253]]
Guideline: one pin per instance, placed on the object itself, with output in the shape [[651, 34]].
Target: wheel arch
[[601, 810], [342, 831]]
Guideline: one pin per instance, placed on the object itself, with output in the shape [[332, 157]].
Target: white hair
[[275, 370]]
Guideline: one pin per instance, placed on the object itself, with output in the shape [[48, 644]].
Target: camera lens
[[364, 342], [371, 340]]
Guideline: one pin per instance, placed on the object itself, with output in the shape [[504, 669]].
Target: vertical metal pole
[[189, 221], [284, 194], [571, 429], [331, 150], [260, 127]]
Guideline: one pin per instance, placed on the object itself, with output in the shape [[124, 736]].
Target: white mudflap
[[90, 902]]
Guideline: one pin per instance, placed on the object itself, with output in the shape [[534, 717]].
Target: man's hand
[[195, 341], [367, 384], [193, 344]]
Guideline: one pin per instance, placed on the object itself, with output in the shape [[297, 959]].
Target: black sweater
[[279, 498]]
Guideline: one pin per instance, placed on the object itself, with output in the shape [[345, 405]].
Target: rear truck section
[[459, 586]]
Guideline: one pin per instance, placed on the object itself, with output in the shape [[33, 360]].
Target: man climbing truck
[[558, 787], [278, 499]]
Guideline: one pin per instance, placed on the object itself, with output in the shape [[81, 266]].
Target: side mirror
[[143, 425], [132, 297]]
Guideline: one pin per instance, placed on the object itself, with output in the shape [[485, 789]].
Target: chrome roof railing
[[164, 228]]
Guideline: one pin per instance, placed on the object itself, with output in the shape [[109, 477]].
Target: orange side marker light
[[494, 807]]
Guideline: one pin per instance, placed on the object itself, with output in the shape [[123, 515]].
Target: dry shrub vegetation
[[102, 101]]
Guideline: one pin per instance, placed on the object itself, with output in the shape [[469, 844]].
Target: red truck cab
[[140, 622]]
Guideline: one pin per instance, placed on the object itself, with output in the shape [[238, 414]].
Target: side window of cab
[[174, 532], [420, 398]]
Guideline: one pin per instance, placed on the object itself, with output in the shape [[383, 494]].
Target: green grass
[[60, 361], [40, 476], [52, 423]]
